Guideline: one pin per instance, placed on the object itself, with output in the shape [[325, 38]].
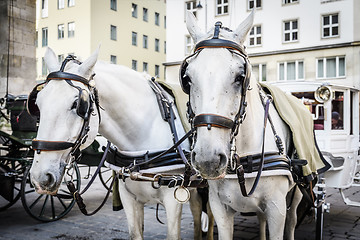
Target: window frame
[[157, 45], [192, 9], [60, 4], [255, 3], [112, 58], [337, 67], [71, 3], [44, 36], [157, 18], [113, 5], [61, 31], [71, 29], [330, 25], [296, 70], [222, 6], [145, 14], [145, 41], [134, 38], [188, 45], [113, 32], [255, 36], [134, 64], [134, 10], [291, 31]]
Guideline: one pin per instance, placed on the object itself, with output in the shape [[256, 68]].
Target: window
[[191, 6], [157, 19], [44, 8], [222, 7], [134, 10], [113, 59], [71, 29], [260, 72], [290, 1], [134, 65], [291, 31], [145, 66], [60, 58], [43, 67], [337, 111], [61, 31], [330, 25], [134, 38], [189, 44], [145, 14], [112, 32], [113, 5], [291, 71], [165, 47], [254, 3], [71, 3], [164, 21], [145, 41], [61, 4], [44, 37], [332, 67], [157, 71], [157, 45], [255, 36]]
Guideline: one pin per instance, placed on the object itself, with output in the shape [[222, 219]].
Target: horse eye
[[240, 78], [74, 105]]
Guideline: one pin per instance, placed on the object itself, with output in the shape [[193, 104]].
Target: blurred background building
[[291, 40], [130, 32], [17, 46]]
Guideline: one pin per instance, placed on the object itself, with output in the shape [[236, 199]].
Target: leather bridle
[[47, 145]]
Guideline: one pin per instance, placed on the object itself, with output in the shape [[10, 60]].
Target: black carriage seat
[[23, 125]]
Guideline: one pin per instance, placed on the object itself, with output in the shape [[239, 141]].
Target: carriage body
[[336, 126]]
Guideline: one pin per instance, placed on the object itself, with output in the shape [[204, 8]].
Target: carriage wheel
[[106, 175], [11, 176], [48, 208]]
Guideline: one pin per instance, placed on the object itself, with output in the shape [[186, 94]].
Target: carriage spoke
[[52, 207], [43, 206], [35, 202], [61, 201]]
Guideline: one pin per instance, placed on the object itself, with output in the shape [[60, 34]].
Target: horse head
[[216, 77], [69, 118]]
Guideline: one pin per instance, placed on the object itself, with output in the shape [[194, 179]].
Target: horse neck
[[131, 118], [250, 137]]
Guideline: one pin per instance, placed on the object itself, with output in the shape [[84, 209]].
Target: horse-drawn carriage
[[18, 130], [335, 110]]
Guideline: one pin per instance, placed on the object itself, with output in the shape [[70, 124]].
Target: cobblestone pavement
[[343, 222]]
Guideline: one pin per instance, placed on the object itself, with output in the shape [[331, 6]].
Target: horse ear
[[87, 66], [51, 60], [243, 29], [192, 26]]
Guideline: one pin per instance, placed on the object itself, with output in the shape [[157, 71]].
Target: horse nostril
[[222, 159], [49, 180]]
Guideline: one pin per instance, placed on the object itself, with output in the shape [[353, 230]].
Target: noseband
[[84, 109]]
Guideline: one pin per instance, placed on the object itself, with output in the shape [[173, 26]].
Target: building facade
[[291, 40], [17, 47], [129, 32]]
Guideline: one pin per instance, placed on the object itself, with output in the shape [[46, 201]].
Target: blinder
[[84, 98]]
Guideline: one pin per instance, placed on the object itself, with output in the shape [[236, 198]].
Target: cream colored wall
[[103, 17], [92, 27], [309, 57], [79, 44]]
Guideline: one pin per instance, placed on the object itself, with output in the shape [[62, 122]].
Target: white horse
[[215, 78], [130, 119]]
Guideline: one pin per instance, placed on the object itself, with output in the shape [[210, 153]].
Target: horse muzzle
[[210, 166]]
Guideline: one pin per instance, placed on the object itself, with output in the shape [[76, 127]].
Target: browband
[[220, 43], [59, 75]]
